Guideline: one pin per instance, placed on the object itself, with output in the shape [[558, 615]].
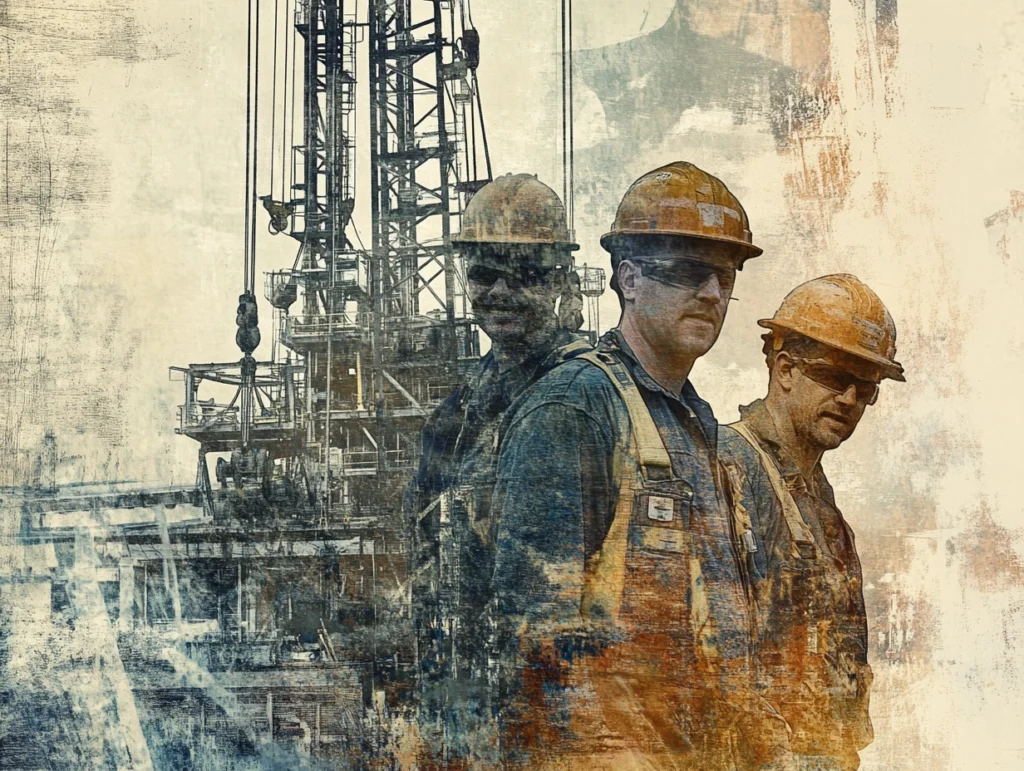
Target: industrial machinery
[[373, 333], [268, 605]]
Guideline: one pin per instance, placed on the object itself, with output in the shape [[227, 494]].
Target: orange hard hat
[[841, 312], [515, 209], [681, 200]]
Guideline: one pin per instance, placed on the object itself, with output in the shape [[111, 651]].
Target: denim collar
[[762, 424], [688, 398]]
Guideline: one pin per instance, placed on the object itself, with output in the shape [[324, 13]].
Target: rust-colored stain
[[989, 557]]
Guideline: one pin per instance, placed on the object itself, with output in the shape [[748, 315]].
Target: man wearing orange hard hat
[[517, 250], [829, 345], [624, 613]]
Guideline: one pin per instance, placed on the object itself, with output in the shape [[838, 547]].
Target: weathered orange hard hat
[[843, 313], [682, 200], [515, 209]]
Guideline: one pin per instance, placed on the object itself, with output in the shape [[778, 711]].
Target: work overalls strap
[[803, 538], [605, 575]]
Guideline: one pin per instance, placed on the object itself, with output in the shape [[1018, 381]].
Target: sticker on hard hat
[[712, 215], [871, 334], [660, 509]]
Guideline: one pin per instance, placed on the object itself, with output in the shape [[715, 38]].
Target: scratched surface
[[862, 138]]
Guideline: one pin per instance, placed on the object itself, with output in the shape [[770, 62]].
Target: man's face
[[827, 395], [512, 295], [679, 297]]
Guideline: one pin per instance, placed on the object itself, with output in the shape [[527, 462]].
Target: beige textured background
[[120, 254]]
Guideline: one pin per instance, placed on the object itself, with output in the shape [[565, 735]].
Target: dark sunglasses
[[687, 274], [838, 380], [516, 277]]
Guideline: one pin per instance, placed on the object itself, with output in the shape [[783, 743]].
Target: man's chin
[[831, 433]]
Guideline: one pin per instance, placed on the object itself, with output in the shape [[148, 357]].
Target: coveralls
[[812, 625], [660, 675], [449, 504]]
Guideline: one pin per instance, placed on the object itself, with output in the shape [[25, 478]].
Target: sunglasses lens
[[838, 381], [524, 275], [478, 274], [689, 274]]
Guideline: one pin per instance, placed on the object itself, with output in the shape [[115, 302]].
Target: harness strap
[[605, 574], [798, 529], [650, 449]]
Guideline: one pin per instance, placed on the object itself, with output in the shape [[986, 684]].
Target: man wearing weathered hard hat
[[624, 616], [518, 255], [829, 345]]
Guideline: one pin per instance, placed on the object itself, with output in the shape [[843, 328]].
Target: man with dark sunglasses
[[517, 251], [624, 620], [830, 344]]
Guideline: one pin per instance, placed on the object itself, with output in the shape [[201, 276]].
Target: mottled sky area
[[120, 254]]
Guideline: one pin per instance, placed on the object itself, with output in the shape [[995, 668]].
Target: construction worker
[[518, 256], [623, 618], [829, 345]]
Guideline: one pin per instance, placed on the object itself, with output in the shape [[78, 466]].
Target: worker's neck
[[668, 369], [805, 455]]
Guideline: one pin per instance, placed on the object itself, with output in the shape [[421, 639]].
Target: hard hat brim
[[567, 245], [609, 240], [890, 369]]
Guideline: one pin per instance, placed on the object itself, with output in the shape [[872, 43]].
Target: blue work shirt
[[554, 501], [453, 544]]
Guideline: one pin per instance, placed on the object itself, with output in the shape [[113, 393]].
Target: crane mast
[[379, 335]]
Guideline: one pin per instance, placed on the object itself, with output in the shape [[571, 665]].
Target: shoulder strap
[[571, 350], [605, 574], [650, 449], [798, 528]]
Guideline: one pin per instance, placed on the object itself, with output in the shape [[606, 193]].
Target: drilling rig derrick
[[373, 338]]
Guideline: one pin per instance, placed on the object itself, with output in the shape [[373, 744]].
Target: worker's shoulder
[[731, 442], [575, 385], [734, 449]]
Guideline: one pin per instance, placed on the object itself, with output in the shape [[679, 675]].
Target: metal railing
[[297, 328], [355, 461]]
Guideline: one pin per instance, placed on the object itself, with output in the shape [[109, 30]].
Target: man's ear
[[627, 273], [784, 371]]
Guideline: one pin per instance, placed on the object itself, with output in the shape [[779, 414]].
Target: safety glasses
[[687, 274], [837, 380], [516, 276]]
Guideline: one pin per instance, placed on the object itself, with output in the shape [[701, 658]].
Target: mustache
[[842, 417], [500, 306]]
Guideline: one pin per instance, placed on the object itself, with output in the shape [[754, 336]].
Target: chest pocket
[[661, 516]]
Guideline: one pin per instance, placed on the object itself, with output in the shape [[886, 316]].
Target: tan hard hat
[[515, 209], [681, 200], [843, 313]]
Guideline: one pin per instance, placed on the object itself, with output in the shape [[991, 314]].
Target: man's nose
[[710, 291], [499, 288], [848, 397]]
